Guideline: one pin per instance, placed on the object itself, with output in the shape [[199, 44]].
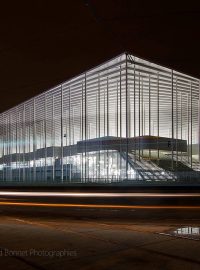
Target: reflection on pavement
[[189, 232]]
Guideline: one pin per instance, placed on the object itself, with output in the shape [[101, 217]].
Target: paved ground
[[96, 239]]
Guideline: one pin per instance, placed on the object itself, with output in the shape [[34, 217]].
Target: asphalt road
[[78, 232]]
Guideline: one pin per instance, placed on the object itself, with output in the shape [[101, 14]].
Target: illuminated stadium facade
[[125, 120]]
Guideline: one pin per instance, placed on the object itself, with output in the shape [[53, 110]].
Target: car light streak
[[97, 205], [94, 194]]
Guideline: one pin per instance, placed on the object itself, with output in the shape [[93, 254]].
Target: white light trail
[[93, 194]]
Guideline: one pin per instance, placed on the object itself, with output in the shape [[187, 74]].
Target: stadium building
[[124, 120]]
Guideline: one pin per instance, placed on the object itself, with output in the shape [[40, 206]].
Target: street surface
[[133, 232]]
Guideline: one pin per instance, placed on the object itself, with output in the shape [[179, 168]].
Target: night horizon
[[36, 41]]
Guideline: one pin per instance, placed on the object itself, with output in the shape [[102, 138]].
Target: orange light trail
[[97, 205]]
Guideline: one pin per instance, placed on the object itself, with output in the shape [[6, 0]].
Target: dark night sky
[[43, 43]]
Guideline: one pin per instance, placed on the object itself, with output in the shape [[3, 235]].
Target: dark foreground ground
[[73, 237]]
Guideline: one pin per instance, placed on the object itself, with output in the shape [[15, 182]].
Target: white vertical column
[[149, 112], [177, 124], [53, 139], [45, 136], [82, 133], [3, 137], [172, 144], [86, 128], [23, 140], [16, 141], [34, 142], [127, 114], [158, 116], [188, 126], [191, 118], [199, 122], [61, 133]]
